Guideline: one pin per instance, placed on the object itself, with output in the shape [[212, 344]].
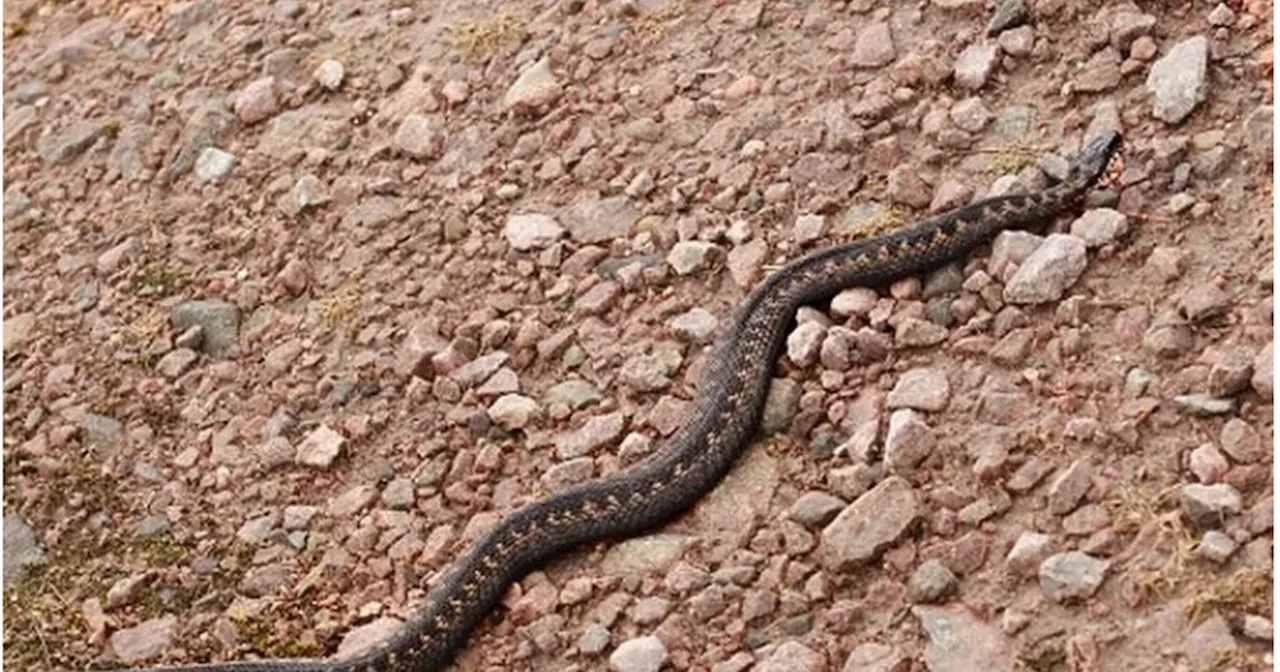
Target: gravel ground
[[301, 296]]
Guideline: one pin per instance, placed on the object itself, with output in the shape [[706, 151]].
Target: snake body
[[730, 401]]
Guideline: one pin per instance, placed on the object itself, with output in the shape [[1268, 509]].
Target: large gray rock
[[1179, 80], [219, 323]]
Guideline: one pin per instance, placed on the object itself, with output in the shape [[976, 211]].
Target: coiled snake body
[[730, 400]]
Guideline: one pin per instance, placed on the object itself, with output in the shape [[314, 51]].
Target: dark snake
[[730, 401]]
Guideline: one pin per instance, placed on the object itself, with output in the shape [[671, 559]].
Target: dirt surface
[[302, 296]]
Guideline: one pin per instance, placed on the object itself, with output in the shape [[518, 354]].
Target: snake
[[722, 424]]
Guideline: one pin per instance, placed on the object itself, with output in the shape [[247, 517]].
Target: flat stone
[[651, 372], [65, 145], [257, 530], [652, 554], [745, 261], [264, 581], [597, 432], [808, 228], [298, 517], [176, 362], [1008, 14], [513, 411], [1207, 463], [1216, 546], [873, 46], [1208, 506], [153, 525], [639, 654], [780, 406], [366, 636], [872, 657], [600, 221], [1257, 627], [1071, 576], [353, 501], [398, 494], [535, 88], [1049, 271], [908, 441], [854, 301], [19, 331], [804, 343], [419, 137], [99, 431], [257, 101], [320, 448], [213, 164], [930, 582], [792, 656], [1127, 25], [574, 394], [598, 299], [970, 114], [1100, 73], [1203, 301], [479, 369], [815, 508], [1203, 404], [329, 74], [917, 333], [1069, 487], [742, 497], [1209, 642], [1100, 226], [921, 389], [870, 524], [1242, 442], [697, 325], [974, 65], [690, 256], [1263, 381], [1030, 549]]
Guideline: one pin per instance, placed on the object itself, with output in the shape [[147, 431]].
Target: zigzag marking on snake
[[726, 415]]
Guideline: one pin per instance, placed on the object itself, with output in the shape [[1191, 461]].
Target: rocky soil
[[301, 296]]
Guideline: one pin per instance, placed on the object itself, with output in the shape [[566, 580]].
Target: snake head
[[1095, 159]]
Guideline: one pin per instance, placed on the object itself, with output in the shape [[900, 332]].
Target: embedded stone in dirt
[[363, 637], [960, 642], [647, 555], [20, 549], [144, 641], [219, 321]]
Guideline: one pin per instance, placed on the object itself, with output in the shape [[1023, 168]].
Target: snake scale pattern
[[730, 400]]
